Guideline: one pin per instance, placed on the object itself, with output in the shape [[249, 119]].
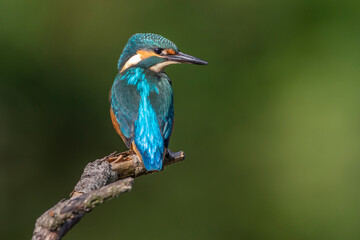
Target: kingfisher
[[142, 108]]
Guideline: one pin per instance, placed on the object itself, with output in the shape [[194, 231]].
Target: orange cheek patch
[[170, 52], [146, 54]]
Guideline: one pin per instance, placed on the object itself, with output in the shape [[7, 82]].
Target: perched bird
[[142, 109]]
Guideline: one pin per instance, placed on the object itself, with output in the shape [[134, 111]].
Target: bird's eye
[[158, 50]]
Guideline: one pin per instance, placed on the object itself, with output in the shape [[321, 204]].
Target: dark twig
[[102, 180]]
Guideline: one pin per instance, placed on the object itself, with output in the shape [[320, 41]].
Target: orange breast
[[117, 126]]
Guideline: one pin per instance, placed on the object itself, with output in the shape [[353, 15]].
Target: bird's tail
[[151, 157], [148, 141]]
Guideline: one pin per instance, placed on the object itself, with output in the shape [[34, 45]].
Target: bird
[[141, 96]]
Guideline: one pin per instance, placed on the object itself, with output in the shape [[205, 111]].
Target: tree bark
[[102, 179]]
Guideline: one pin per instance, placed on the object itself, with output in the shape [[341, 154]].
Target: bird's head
[[154, 52]]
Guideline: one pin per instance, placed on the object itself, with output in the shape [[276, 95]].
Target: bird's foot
[[175, 157]]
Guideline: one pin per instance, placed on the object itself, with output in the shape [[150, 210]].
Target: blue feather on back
[[145, 115]]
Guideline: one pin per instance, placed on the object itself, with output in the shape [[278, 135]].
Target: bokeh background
[[271, 127]]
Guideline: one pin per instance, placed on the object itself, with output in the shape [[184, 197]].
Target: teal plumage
[[143, 41], [142, 97], [143, 105]]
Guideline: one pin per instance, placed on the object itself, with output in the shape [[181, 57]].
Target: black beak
[[184, 58]]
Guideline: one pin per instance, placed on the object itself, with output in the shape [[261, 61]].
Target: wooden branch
[[102, 180]]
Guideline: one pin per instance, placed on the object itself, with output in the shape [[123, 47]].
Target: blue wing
[[125, 106], [162, 102], [167, 124]]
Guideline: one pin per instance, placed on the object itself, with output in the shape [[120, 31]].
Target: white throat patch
[[160, 66]]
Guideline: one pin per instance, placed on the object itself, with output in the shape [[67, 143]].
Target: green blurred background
[[270, 127]]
